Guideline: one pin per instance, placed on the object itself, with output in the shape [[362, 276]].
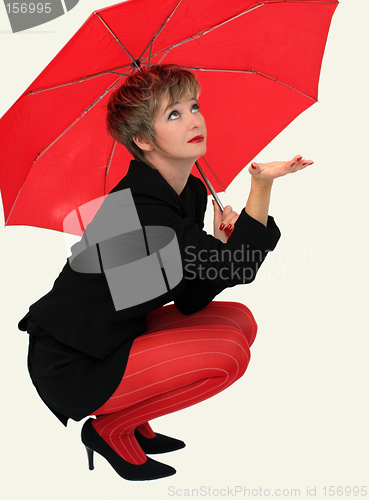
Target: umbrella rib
[[165, 55], [149, 61], [150, 44], [250, 9], [109, 163], [61, 135], [15, 201], [207, 30], [118, 41], [76, 120], [81, 80], [252, 71]]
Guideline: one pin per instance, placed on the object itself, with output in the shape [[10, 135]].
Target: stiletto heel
[[90, 456], [151, 469]]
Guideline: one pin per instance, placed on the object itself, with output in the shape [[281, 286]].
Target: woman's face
[[180, 130]]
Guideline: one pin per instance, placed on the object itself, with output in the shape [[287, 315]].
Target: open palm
[[273, 170]]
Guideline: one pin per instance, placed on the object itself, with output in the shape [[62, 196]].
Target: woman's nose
[[195, 120]]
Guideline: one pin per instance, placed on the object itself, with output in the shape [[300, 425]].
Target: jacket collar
[[186, 199]]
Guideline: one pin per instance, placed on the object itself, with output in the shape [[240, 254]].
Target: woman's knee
[[236, 352], [240, 316]]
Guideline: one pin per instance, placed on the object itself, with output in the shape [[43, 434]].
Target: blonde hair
[[133, 106]]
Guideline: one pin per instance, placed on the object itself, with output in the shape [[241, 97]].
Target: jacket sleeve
[[209, 266], [239, 267]]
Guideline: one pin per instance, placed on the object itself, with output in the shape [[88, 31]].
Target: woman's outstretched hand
[[263, 175], [267, 172]]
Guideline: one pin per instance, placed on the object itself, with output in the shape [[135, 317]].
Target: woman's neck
[[175, 172]]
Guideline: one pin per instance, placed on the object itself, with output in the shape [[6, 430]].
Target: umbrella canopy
[[258, 64]]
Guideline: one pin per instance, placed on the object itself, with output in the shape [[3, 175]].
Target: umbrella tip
[[136, 64]]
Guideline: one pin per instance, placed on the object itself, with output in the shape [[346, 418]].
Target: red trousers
[[180, 361]]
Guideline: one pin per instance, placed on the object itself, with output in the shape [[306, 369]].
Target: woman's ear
[[142, 144]]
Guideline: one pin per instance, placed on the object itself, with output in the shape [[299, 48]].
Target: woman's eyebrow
[[171, 105]]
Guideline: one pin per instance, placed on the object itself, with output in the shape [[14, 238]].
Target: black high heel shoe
[[151, 469], [158, 444]]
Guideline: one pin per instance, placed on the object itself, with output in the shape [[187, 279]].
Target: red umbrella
[[258, 64]]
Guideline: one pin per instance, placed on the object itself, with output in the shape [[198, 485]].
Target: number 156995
[[31, 8]]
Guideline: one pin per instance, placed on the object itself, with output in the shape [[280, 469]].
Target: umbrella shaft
[[211, 189]]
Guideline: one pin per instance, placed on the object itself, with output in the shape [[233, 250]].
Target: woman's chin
[[202, 150]]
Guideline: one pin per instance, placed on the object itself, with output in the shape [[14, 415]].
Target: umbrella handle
[[211, 189]]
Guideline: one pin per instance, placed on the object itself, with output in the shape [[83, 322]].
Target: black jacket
[[79, 310]]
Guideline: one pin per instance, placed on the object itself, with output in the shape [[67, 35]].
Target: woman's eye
[[173, 114]]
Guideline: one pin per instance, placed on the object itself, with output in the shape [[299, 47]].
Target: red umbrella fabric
[[258, 64]]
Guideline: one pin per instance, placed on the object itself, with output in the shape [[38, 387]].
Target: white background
[[299, 417]]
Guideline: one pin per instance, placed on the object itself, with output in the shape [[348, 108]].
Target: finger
[[216, 206], [301, 161], [254, 168], [230, 221], [306, 163], [227, 210], [218, 214], [293, 164], [228, 232], [302, 164], [234, 220], [230, 226], [297, 158], [225, 216]]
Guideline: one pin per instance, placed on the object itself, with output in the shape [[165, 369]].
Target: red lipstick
[[198, 138]]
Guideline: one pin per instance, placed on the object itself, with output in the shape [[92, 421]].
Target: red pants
[[180, 361]]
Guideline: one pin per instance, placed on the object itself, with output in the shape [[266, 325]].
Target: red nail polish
[[221, 226], [229, 227]]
